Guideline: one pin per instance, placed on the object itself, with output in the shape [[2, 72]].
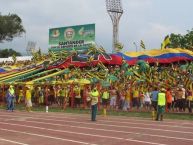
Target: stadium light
[[115, 11]]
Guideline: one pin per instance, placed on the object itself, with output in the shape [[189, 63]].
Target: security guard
[[161, 104], [94, 102], [105, 100]]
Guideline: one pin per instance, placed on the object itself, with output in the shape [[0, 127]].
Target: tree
[[10, 27], [4, 53], [182, 41]]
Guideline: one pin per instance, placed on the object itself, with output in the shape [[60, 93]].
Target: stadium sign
[[72, 37]]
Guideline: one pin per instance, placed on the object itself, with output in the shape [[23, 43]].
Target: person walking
[[94, 103], [10, 97], [161, 104]]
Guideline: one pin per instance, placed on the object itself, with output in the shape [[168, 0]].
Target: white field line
[[136, 119], [121, 117], [85, 134], [11, 141], [109, 130], [140, 119], [117, 118], [120, 122], [126, 123], [150, 122], [119, 126], [46, 136]]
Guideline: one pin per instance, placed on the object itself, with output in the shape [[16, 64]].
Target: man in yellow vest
[[105, 100], [94, 102], [161, 104]]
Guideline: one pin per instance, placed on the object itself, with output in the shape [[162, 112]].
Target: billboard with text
[[72, 37]]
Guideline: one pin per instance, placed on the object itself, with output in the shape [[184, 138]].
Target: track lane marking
[[46, 136], [109, 130], [137, 119], [85, 134], [145, 124], [122, 126], [140, 119], [11, 141]]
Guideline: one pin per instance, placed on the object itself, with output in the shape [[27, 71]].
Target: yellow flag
[[166, 42]]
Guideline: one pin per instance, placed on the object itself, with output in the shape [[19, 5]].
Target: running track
[[39, 128]]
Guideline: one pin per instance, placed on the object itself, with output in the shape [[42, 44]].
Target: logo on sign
[[69, 34]]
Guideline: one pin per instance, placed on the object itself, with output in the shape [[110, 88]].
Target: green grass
[[178, 116]]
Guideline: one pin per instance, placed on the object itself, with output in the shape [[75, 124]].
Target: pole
[[135, 46]]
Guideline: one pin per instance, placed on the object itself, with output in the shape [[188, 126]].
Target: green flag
[[142, 44]]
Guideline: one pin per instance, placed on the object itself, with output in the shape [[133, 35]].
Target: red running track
[[39, 128]]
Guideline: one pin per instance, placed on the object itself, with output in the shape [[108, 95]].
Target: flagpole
[[135, 46]]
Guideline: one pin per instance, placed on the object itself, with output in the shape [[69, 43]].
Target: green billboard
[[72, 37]]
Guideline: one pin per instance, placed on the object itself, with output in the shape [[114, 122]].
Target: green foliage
[[182, 41], [10, 27], [143, 66], [14, 58], [4, 53]]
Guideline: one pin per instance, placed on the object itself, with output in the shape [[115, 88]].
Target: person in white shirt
[[147, 100]]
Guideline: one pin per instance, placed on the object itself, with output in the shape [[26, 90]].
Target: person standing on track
[[154, 95], [94, 103], [10, 97], [105, 100], [161, 101]]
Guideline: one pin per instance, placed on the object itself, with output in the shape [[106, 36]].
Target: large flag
[[142, 44], [166, 42]]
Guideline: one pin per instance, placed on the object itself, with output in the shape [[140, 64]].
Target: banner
[[73, 37]]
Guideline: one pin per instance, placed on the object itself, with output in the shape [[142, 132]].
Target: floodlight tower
[[115, 11]]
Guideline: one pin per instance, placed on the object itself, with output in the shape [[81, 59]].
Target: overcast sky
[[147, 20]]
